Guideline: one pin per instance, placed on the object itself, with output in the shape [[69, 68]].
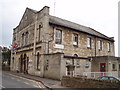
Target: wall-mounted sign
[[58, 46]]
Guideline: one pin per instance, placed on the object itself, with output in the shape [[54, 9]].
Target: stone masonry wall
[[81, 49], [83, 82]]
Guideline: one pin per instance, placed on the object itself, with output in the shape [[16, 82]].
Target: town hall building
[[46, 46]]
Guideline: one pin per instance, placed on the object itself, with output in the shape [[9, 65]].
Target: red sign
[[15, 46]]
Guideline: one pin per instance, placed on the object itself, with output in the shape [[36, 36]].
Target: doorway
[[103, 68]]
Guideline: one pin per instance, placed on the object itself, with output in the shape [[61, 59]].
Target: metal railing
[[96, 74]]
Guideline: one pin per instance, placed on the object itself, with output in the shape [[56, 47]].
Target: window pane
[[108, 46], [114, 67], [58, 36], [75, 39], [88, 42]]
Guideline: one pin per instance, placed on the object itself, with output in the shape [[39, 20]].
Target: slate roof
[[80, 28]]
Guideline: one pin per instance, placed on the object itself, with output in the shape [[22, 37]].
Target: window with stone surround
[[75, 39], [23, 39], [100, 45], [108, 47], [26, 38], [114, 66], [77, 62], [39, 31], [89, 42], [58, 36], [38, 61]]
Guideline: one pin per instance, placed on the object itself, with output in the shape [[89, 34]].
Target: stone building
[[45, 45]]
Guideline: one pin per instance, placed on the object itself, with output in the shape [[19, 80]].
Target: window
[[68, 62], [78, 63], [75, 39], [26, 38], [39, 31], [12, 62], [38, 61], [23, 39], [75, 55], [88, 42], [114, 67], [58, 36], [47, 64], [108, 46], [119, 66], [100, 45]]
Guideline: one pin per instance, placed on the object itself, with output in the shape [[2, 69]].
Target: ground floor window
[[47, 64], [114, 66], [119, 66], [38, 61]]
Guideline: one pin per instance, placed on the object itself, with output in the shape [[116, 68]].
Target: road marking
[[35, 85], [12, 78], [38, 83], [2, 86], [18, 80], [26, 83]]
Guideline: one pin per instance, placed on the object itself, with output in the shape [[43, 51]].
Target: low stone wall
[[83, 82]]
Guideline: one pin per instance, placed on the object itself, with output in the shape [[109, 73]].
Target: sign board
[[58, 46]]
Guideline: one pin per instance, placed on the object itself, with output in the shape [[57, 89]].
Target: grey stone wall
[[54, 64], [81, 49]]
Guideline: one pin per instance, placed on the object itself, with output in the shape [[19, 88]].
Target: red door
[[103, 68]]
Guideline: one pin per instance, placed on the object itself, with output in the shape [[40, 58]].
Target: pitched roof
[[64, 23]]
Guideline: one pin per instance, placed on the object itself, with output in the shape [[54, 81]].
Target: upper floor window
[[23, 39], [58, 36], [39, 31], [26, 38], [75, 39], [100, 44], [88, 42], [108, 46]]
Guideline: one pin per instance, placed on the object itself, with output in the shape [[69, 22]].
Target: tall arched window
[[38, 60]]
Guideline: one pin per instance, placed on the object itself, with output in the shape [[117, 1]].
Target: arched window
[[75, 55], [38, 60]]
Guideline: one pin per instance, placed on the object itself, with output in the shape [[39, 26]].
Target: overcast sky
[[101, 15]]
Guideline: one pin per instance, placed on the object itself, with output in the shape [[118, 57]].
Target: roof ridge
[[76, 26]]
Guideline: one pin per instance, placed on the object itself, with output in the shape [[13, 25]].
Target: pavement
[[48, 83]]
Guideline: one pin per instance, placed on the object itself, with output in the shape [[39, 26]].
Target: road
[[12, 81]]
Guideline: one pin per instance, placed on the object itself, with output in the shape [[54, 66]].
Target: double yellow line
[[39, 84]]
